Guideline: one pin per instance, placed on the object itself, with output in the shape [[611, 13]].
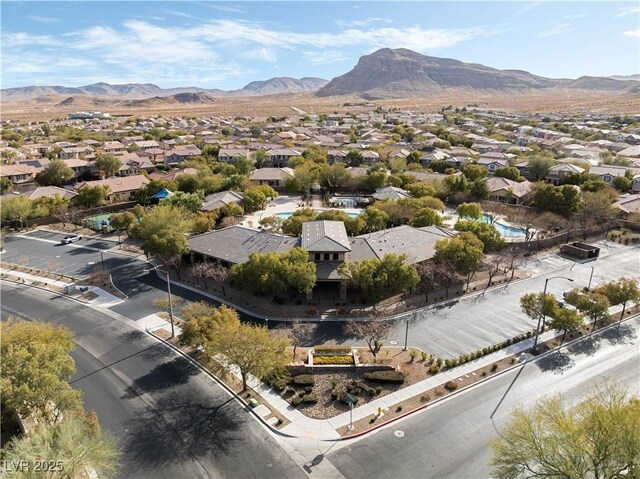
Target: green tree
[[56, 173], [558, 199], [5, 185], [374, 219], [48, 206], [354, 158], [204, 221], [478, 189], [538, 166], [92, 196], [273, 273], [531, 303], [163, 231], [420, 189], [253, 349], [620, 292], [566, 320], [306, 177], [36, 369], [599, 437], [315, 153], [469, 210], [508, 172], [126, 221], [622, 184], [189, 201], [202, 318], [17, 209], [426, 217], [463, 252], [381, 278], [334, 177], [293, 224], [244, 166], [77, 442], [108, 165], [473, 171], [374, 180], [593, 304], [488, 234]]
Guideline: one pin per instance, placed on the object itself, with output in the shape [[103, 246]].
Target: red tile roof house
[[121, 189]]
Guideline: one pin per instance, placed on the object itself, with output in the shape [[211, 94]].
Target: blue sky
[[228, 44]]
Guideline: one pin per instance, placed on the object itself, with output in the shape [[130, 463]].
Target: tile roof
[[325, 236]]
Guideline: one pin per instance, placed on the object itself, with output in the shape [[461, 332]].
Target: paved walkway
[[305, 427]]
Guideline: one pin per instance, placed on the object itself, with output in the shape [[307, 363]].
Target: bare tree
[[494, 266], [513, 260], [432, 276], [219, 274], [176, 262], [67, 214], [372, 331], [200, 271], [299, 333]]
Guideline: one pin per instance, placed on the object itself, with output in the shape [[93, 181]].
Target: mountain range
[[142, 91], [386, 73]]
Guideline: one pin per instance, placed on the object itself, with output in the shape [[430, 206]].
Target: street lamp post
[[541, 317], [166, 265], [590, 278]]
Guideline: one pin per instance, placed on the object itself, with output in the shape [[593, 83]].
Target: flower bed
[[333, 359]]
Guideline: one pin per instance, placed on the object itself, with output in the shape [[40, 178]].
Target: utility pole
[[541, 317]]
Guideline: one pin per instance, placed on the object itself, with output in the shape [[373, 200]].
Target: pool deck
[[286, 204]]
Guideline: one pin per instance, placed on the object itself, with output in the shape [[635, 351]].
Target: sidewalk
[[305, 427], [101, 297]]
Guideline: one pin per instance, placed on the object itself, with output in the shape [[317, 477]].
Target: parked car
[[70, 239]]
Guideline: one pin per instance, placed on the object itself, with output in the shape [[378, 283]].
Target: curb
[[227, 389], [482, 381]]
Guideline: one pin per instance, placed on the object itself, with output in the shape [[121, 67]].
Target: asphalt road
[[452, 439], [170, 419], [449, 330]]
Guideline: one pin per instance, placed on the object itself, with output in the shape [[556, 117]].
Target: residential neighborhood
[[325, 240]]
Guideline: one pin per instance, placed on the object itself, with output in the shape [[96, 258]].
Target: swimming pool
[[288, 214], [504, 230]]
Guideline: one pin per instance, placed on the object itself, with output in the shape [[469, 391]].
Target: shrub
[[310, 398], [425, 398], [494, 367], [308, 389], [296, 400], [448, 362], [304, 380], [412, 355], [424, 356], [395, 377], [434, 368], [439, 392], [399, 408], [333, 359], [451, 385], [378, 390], [483, 373], [332, 349], [302, 393], [334, 382]]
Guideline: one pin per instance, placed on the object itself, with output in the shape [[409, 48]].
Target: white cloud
[[362, 23], [622, 12], [632, 33], [575, 16], [222, 8], [415, 38], [21, 39], [557, 29], [37, 18], [263, 54], [324, 57], [528, 7]]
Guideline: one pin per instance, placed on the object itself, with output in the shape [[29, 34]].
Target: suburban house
[[112, 147], [22, 176], [75, 152], [279, 157], [557, 173], [146, 144], [274, 177], [221, 199], [635, 184], [508, 191], [607, 173], [227, 155], [131, 167], [49, 192], [120, 188], [337, 156], [78, 166], [179, 155], [492, 164]]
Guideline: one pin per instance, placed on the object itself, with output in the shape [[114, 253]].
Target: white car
[[70, 239]]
